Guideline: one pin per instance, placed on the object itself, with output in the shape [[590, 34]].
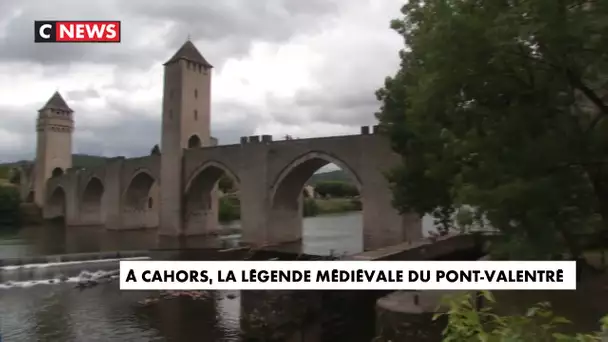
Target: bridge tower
[[186, 121], [54, 129]]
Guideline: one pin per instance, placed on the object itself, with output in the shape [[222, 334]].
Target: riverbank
[[230, 207]]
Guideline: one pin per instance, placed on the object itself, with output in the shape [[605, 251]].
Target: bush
[[336, 189], [5, 172], [538, 324], [9, 206], [229, 209], [310, 207]]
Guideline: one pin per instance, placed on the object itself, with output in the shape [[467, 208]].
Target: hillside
[[78, 160]]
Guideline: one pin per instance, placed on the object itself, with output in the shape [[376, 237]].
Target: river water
[[59, 312]]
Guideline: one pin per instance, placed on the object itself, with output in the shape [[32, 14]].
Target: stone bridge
[[125, 193]]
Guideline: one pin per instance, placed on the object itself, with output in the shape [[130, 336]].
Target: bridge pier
[[201, 216], [112, 193]]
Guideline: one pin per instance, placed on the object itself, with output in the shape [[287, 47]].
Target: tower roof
[[190, 53], [57, 102]]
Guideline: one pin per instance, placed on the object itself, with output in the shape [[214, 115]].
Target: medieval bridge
[[176, 191]]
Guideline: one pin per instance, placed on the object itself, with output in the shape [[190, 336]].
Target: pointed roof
[[57, 102], [190, 53]]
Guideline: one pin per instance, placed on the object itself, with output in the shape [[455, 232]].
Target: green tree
[[467, 324], [500, 105], [9, 206], [155, 151], [15, 176], [229, 208], [336, 189]]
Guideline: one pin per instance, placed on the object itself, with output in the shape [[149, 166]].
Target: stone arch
[[287, 203], [56, 203], [57, 172], [194, 141], [202, 196], [137, 192], [91, 201], [137, 196], [289, 183]]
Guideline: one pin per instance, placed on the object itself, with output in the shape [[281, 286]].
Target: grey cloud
[[222, 28], [77, 95], [352, 71], [134, 135], [355, 106]]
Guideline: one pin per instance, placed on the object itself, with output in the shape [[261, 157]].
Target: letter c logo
[[43, 29]]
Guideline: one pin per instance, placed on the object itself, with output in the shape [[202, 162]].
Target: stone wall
[[408, 316]]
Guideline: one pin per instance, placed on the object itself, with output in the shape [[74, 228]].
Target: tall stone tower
[[54, 128], [186, 121]]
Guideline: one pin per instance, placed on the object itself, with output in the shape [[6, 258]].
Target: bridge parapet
[[375, 129], [254, 139]]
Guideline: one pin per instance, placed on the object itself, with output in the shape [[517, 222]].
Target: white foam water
[[53, 273], [84, 276], [50, 264]]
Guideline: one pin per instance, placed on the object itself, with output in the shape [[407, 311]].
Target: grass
[[337, 205]]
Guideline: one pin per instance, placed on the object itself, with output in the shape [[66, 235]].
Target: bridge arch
[[290, 182], [202, 210], [137, 192], [91, 201], [139, 199], [288, 204], [56, 203]]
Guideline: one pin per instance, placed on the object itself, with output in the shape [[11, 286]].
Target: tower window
[[150, 202], [195, 114], [195, 93]]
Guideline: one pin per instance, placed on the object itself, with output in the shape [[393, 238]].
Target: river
[[59, 312]]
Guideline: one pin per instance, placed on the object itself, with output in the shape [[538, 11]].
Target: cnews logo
[[76, 31]]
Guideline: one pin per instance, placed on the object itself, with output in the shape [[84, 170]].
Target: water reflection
[[322, 235], [339, 233]]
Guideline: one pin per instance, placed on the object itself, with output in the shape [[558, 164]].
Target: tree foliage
[[155, 151], [336, 189], [500, 105], [467, 324], [9, 206]]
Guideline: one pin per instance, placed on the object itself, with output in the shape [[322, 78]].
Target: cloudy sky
[[305, 68]]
